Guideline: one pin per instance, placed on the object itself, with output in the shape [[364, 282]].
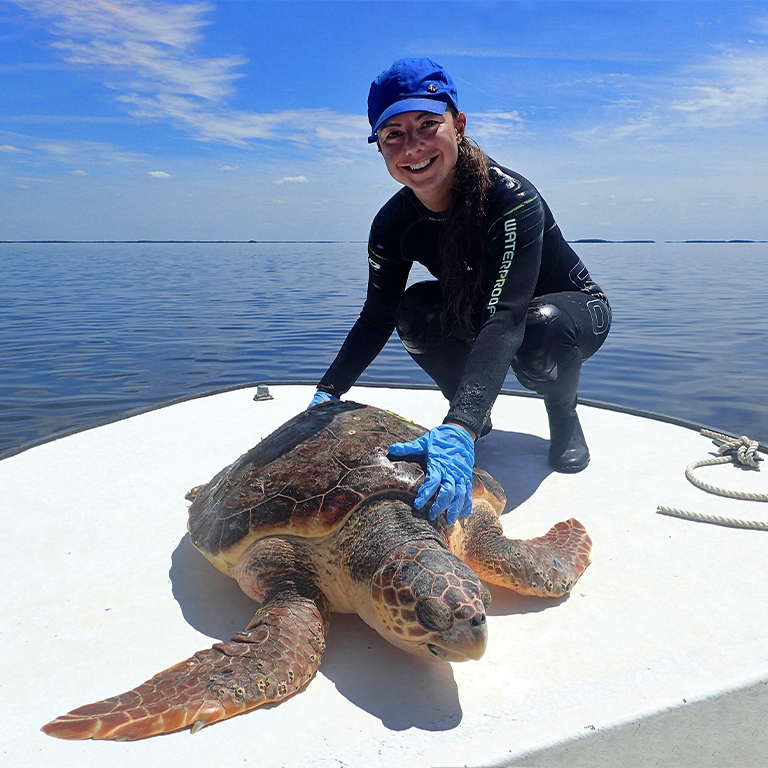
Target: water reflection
[[90, 332]]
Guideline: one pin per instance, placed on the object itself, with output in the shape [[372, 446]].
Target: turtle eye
[[433, 614]]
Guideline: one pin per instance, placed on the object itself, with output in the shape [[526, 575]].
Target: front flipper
[[547, 566], [276, 656]]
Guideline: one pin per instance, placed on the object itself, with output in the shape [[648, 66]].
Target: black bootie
[[568, 450], [557, 379]]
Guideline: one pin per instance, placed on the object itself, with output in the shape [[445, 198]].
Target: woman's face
[[420, 150]]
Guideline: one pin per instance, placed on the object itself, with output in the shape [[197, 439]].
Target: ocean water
[[93, 332]]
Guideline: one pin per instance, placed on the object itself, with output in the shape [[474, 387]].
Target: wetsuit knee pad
[[535, 362], [418, 315], [541, 330]]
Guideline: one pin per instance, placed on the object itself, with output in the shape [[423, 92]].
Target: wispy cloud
[[59, 119], [159, 175], [6, 69], [490, 125], [32, 150], [148, 54], [481, 50], [239, 127], [40, 180], [153, 42], [761, 24], [734, 88], [55, 148], [730, 89], [122, 22], [292, 180]]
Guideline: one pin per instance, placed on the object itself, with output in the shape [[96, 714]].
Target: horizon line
[[583, 240]]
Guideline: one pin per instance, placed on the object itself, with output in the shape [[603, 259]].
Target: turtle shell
[[304, 479]]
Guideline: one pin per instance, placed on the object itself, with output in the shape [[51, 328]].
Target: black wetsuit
[[526, 257]]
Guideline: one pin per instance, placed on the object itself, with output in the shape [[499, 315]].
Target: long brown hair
[[463, 239]]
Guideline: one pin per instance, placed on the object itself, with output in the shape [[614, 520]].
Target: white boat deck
[[658, 657]]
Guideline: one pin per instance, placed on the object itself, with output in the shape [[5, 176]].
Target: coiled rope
[[742, 451]]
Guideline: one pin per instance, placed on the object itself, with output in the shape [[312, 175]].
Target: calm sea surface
[[92, 332]]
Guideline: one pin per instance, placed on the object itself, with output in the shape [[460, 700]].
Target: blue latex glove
[[450, 453], [321, 397]]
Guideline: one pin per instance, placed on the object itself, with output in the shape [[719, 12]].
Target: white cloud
[[761, 24], [730, 89], [152, 41], [734, 88], [159, 175], [439, 48], [238, 127], [29, 67], [41, 180], [79, 173], [227, 167], [64, 119], [55, 148], [490, 125], [74, 151], [11, 149], [145, 51], [292, 180]]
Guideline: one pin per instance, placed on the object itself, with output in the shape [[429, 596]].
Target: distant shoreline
[[2, 242], [328, 242]]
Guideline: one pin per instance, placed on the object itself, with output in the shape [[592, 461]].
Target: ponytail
[[463, 239]]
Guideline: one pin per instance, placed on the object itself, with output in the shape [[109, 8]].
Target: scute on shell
[[304, 479]]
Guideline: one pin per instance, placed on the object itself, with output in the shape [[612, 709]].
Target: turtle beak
[[464, 641]]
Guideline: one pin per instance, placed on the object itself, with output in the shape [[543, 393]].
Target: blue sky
[[238, 119]]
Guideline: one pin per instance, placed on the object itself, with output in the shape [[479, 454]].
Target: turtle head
[[427, 602]]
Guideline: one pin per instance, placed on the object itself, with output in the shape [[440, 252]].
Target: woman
[[509, 289]]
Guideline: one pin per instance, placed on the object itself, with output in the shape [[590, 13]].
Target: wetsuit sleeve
[[387, 277], [512, 265]]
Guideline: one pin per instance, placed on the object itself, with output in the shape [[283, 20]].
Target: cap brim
[[436, 106]]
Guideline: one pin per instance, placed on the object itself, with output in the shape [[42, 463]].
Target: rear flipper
[[547, 566], [276, 656]]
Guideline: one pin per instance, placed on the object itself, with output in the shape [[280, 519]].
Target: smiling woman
[[508, 291], [421, 150]]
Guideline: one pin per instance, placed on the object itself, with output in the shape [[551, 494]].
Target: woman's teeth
[[419, 166]]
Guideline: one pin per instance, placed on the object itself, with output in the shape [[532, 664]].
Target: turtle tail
[[276, 656], [547, 566]]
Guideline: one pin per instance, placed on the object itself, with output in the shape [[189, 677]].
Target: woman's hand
[[321, 397], [450, 453]]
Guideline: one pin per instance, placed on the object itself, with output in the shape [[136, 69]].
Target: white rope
[[743, 451], [730, 522]]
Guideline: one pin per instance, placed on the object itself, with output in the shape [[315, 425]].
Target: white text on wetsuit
[[510, 240]]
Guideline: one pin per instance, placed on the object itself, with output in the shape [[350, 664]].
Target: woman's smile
[[420, 150], [419, 166]]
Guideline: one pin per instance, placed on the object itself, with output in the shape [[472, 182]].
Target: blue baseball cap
[[409, 85]]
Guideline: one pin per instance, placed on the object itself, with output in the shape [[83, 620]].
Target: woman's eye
[[392, 135]]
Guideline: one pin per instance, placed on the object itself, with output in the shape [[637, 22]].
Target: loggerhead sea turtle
[[316, 518]]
